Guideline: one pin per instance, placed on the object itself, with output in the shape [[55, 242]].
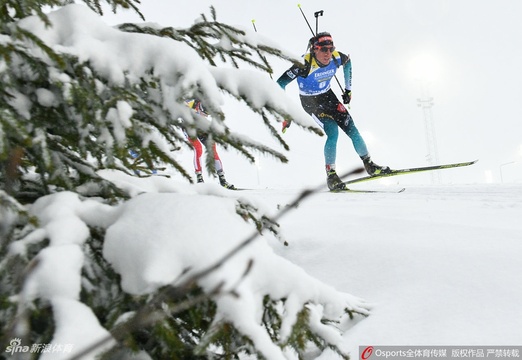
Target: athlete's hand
[[286, 125], [347, 96]]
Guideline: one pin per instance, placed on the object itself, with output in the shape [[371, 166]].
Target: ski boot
[[372, 168], [224, 181], [199, 178], [334, 182]]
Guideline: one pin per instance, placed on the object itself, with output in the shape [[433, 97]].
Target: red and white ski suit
[[200, 141]]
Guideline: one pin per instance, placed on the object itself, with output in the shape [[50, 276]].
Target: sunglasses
[[326, 49]]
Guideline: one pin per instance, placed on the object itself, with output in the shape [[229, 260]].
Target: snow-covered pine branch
[[76, 96], [99, 91], [276, 309]]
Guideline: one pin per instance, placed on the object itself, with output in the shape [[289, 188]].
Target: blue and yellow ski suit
[[318, 100]]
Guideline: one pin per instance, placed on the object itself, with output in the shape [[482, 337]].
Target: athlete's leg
[[323, 110], [332, 134], [357, 140], [360, 147], [330, 146], [198, 151], [217, 161], [346, 123], [219, 168]]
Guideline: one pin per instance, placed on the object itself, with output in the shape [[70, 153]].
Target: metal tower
[[425, 102]]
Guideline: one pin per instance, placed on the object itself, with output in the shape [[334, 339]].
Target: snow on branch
[[155, 243], [93, 93]]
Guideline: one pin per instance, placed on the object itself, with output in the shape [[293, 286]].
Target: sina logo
[[367, 353]]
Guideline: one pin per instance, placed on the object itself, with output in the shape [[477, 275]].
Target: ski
[[410, 171], [369, 191]]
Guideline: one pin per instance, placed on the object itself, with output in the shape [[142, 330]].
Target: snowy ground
[[441, 264]]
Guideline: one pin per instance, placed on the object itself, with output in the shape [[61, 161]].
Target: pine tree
[[62, 120]]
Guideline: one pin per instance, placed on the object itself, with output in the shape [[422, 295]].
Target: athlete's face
[[323, 54]]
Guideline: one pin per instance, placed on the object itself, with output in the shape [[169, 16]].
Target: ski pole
[[262, 56], [307, 23]]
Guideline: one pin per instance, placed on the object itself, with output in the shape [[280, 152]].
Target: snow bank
[[159, 236], [153, 239]]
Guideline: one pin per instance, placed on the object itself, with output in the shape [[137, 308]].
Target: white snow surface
[[440, 265]]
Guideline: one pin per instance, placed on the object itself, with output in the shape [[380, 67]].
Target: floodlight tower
[[426, 103]]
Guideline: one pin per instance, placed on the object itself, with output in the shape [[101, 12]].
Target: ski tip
[[469, 162]]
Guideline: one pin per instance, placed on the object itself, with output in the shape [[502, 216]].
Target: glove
[[347, 96], [286, 125]]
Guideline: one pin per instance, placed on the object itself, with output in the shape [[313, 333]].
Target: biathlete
[[318, 100], [201, 140]]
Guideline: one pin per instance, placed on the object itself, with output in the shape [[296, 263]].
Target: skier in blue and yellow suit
[[318, 100]]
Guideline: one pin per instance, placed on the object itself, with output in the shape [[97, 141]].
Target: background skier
[[201, 140]]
